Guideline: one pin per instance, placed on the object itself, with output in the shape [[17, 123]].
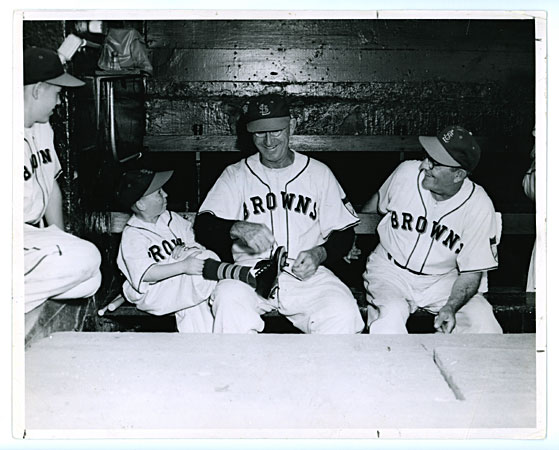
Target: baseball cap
[[267, 113], [454, 146], [138, 183], [42, 64]]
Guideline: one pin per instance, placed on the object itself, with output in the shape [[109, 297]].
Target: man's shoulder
[[410, 166], [480, 196], [40, 129]]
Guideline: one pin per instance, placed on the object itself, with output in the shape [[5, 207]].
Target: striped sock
[[217, 270]]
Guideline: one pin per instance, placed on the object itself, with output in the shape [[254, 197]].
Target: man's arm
[[190, 265], [371, 206], [218, 234], [463, 289], [53, 213]]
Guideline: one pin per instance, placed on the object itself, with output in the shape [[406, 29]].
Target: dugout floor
[[180, 385]]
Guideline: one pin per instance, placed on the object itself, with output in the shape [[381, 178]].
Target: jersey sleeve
[[133, 258], [223, 199], [47, 130], [335, 211], [481, 237]]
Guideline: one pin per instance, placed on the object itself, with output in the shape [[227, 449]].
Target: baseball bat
[[112, 306]]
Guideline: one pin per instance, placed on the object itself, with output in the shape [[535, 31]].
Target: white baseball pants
[[322, 305], [397, 293], [184, 295], [58, 265]]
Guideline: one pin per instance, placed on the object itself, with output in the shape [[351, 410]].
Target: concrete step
[[205, 385]]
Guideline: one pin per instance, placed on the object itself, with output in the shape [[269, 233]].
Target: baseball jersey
[[301, 204], [435, 237], [144, 244], [40, 168]]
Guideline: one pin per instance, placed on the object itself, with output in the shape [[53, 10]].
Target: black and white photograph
[[280, 224]]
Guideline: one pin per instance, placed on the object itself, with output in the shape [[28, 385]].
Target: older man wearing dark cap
[[278, 197], [438, 238], [57, 264]]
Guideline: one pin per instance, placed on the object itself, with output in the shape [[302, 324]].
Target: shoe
[[266, 273]]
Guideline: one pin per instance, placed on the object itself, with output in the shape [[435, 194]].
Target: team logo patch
[[349, 206], [493, 243]]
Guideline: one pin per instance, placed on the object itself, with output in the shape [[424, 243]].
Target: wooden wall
[[347, 80]]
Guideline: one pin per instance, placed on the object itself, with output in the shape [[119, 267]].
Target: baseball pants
[[321, 304], [58, 265], [397, 293], [184, 295]]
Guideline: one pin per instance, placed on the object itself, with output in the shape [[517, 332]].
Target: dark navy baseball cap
[[454, 146], [138, 183], [42, 64], [267, 113]]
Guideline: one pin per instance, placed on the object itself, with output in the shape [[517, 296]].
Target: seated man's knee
[[388, 317], [397, 307], [229, 294], [89, 261]]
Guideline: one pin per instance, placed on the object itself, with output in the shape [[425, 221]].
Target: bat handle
[[116, 303], [112, 306]]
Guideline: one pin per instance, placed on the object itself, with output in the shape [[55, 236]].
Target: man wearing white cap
[[438, 238], [56, 264]]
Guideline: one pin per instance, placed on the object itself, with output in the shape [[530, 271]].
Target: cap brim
[[159, 180], [435, 149], [66, 80], [270, 124]]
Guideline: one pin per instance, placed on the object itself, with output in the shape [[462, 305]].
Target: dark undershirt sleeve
[[338, 245], [214, 233]]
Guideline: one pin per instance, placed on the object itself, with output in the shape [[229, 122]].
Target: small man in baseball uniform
[[57, 265], [438, 238], [166, 270], [277, 197]]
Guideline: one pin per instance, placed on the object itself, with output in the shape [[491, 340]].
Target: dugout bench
[[514, 308]]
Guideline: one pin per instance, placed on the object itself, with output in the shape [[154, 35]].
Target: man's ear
[[37, 88], [460, 175], [139, 205], [292, 125]]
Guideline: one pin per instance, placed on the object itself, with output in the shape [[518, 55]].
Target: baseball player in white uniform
[[438, 237], [166, 270], [56, 264], [279, 197]]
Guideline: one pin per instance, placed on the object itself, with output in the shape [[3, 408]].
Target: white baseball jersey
[[41, 168], [301, 204], [144, 244], [434, 237]]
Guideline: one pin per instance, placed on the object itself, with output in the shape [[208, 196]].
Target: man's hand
[[256, 236], [353, 254], [181, 251], [308, 261], [445, 321], [191, 265]]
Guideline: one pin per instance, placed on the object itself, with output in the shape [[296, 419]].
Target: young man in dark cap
[[438, 238], [57, 264], [278, 197]]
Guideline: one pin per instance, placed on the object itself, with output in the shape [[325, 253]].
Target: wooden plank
[[56, 315], [314, 143], [327, 65], [495, 35], [365, 109], [513, 223]]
